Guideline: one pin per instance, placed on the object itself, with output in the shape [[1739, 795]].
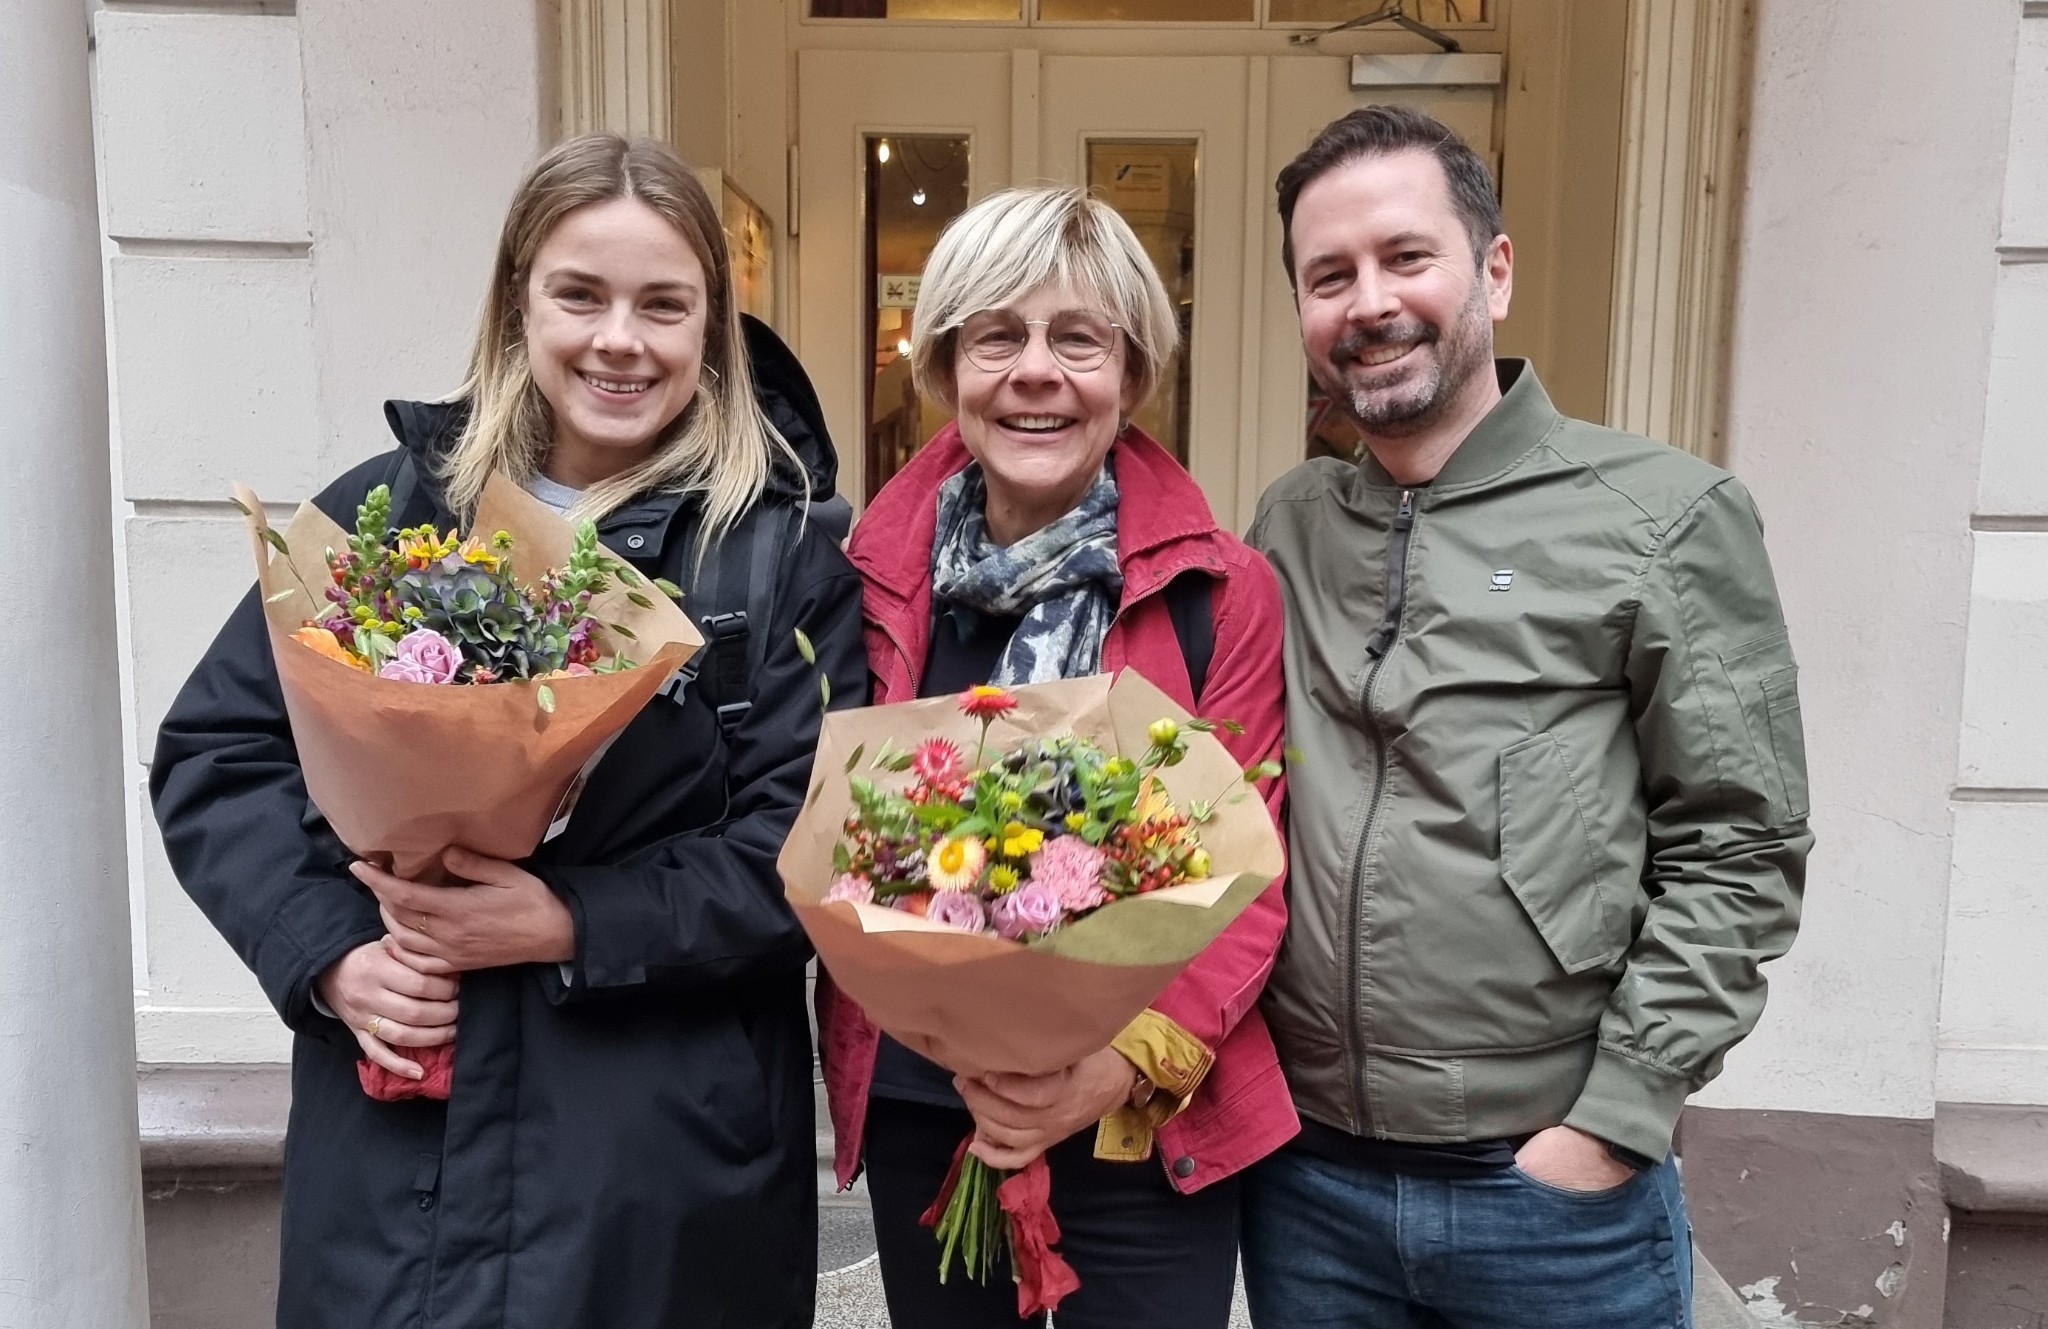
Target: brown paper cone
[[403, 771], [976, 1004]]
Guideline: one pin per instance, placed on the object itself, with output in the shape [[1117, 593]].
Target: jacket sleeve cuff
[[1630, 1103], [1175, 1061], [313, 931]]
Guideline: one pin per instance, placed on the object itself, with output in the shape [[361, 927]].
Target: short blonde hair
[[721, 446], [1018, 240]]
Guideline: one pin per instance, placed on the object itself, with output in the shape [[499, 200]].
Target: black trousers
[[1146, 1254]]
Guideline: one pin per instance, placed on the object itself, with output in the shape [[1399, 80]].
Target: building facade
[[1806, 238]]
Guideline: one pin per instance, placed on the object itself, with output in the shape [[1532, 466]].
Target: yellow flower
[[956, 863], [1021, 841], [1199, 865], [1163, 733], [476, 555], [423, 546], [1075, 821], [1153, 805], [1011, 800], [1002, 880]]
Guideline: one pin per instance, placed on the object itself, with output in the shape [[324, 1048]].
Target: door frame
[[1684, 158]]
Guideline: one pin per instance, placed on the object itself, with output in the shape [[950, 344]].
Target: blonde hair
[[1018, 240], [721, 445]]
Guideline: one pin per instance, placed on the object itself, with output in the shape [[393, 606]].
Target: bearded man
[[1550, 812]]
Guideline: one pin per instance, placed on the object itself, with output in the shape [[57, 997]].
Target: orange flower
[[985, 702], [325, 642]]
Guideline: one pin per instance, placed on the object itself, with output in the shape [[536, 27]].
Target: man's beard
[[1413, 406]]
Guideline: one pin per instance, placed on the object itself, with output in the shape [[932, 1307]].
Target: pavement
[[850, 1283]]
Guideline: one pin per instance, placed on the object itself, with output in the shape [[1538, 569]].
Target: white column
[[70, 1185]]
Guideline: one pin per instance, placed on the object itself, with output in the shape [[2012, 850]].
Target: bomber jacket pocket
[[1766, 683], [1547, 858]]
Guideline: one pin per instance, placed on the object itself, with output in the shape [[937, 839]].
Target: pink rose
[[1026, 911], [424, 656], [957, 909]]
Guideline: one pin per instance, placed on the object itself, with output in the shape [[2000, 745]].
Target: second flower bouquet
[[1004, 880]]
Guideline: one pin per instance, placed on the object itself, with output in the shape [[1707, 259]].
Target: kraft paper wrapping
[[977, 1004], [403, 771]]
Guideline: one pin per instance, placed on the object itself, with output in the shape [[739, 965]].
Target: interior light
[[882, 151], [918, 197], [903, 347]]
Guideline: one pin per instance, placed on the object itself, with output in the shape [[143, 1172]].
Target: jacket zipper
[[1381, 644]]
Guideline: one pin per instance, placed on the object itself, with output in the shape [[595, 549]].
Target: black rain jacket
[[632, 1149]]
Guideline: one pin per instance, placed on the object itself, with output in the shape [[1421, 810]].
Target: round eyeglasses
[[993, 339]]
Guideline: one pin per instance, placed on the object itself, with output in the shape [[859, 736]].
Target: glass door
[[1162, 139], [891, 145]]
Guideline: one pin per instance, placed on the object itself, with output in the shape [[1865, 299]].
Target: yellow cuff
[[1172, 1059]]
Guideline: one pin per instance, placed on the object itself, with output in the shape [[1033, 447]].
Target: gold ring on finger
[[420, 926], [371, 1027]]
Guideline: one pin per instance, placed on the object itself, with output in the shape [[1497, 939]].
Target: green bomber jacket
[[1548, 794]]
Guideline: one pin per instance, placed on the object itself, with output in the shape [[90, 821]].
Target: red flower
[[939, 764], [985, 702]]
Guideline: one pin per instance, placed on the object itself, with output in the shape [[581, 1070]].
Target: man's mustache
[[1358, 339]]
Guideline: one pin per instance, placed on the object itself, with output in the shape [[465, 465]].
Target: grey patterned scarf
[[1063, 579]]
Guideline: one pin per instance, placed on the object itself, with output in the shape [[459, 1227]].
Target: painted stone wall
[[1887, 408], [299, 210], [1993, 1045]]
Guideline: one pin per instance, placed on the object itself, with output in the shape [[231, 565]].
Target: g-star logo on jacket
[[1542, 839]]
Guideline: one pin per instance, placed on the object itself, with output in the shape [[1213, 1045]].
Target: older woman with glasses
[[1041, 536]]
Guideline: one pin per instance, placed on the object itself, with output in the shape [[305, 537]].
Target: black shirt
[[966, 646]]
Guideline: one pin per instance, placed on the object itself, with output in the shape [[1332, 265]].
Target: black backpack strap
[[736, 610], [1188, 599]]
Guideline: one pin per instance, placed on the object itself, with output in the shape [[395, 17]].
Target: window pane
[[915, 185], [1436, 13], [1000, 11], [1152, 185], [1147, 11]]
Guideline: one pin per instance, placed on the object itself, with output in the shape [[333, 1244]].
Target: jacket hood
[[429, 429]]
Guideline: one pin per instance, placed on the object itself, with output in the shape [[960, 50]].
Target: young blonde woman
[[628, 1141]]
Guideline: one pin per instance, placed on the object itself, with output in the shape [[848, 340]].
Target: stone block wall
[[299, 210]]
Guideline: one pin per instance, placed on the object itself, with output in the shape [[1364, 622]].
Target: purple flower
[[852, 888], [957, 909], [424, 656], [1029, 909]]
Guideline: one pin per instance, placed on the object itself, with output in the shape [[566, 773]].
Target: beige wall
[[1863, 357], [299, 211]]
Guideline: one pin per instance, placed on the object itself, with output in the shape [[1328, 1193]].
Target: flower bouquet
[[1009, 891], [437, 699]]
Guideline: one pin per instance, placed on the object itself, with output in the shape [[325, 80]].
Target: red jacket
[[1242, 1110]]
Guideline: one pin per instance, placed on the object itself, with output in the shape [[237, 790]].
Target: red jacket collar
[[1164, 525]]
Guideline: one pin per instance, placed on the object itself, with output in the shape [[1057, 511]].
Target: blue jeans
[[1330, 1245]]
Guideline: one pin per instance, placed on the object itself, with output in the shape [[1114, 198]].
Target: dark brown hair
[[1378, 131]]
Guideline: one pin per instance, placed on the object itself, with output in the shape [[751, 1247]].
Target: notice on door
[[1134, 177], [897, 290]]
